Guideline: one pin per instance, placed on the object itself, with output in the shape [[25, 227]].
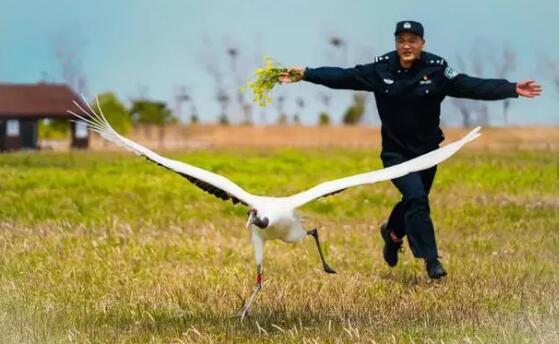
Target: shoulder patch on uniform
[[432, 59], [383, 58], [450, 73]]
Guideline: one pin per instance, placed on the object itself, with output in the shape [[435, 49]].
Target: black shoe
[[391, 248], [434, 268]]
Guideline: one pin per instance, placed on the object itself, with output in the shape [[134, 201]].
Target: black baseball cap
[[409, 26]]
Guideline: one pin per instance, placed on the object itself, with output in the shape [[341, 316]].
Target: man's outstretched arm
[[357, 78], [464, 86]]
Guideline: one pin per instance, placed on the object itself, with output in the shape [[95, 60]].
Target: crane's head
[[254, 219]]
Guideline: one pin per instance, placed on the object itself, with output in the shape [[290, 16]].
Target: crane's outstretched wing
[[417, 164], [212, 183]]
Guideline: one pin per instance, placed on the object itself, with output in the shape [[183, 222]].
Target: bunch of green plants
[[265, 79]]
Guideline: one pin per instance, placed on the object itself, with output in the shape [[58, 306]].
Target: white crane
[[269, 218]]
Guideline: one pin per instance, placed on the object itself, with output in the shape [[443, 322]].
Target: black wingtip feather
[[205, 186]]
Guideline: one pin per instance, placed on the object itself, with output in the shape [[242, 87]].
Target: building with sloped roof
[[23, 105]]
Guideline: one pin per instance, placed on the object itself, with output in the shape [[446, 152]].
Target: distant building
[[23, 105]]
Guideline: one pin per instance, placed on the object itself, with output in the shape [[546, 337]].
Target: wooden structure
[[23, 105]]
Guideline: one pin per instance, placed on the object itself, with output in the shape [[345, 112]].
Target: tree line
[[228, 64]]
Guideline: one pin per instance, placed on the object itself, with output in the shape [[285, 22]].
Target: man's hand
[[528, 89], [293, 74]]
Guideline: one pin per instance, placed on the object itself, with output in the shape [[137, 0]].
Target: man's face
[[409, 46]]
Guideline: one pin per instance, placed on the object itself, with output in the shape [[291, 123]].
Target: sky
[[149, 48]]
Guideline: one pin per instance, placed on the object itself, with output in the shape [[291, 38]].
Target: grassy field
[[107, 248]]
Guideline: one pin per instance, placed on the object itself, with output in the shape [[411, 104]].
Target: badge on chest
[[425, 80]]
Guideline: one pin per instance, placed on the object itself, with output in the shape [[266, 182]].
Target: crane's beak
[[250, 219], [253, 219]]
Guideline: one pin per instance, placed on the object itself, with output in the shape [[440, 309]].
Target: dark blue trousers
[[411, 216]]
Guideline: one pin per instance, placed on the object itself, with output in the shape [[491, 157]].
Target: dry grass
[[105, 248], [178, 137]]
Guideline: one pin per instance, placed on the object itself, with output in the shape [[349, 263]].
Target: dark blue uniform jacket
[[409, 100]]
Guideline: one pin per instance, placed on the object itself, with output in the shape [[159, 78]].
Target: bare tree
[[300, 106], [338, 49], [504, 65], [370, 116], [465, 111], [324, 97], [194, 114], [467, 107], [228, 65], [359, 54], [68, 55], [282, 117], [481, 107], [209, 60], [237, 76], [182, 96], [223, 100]]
